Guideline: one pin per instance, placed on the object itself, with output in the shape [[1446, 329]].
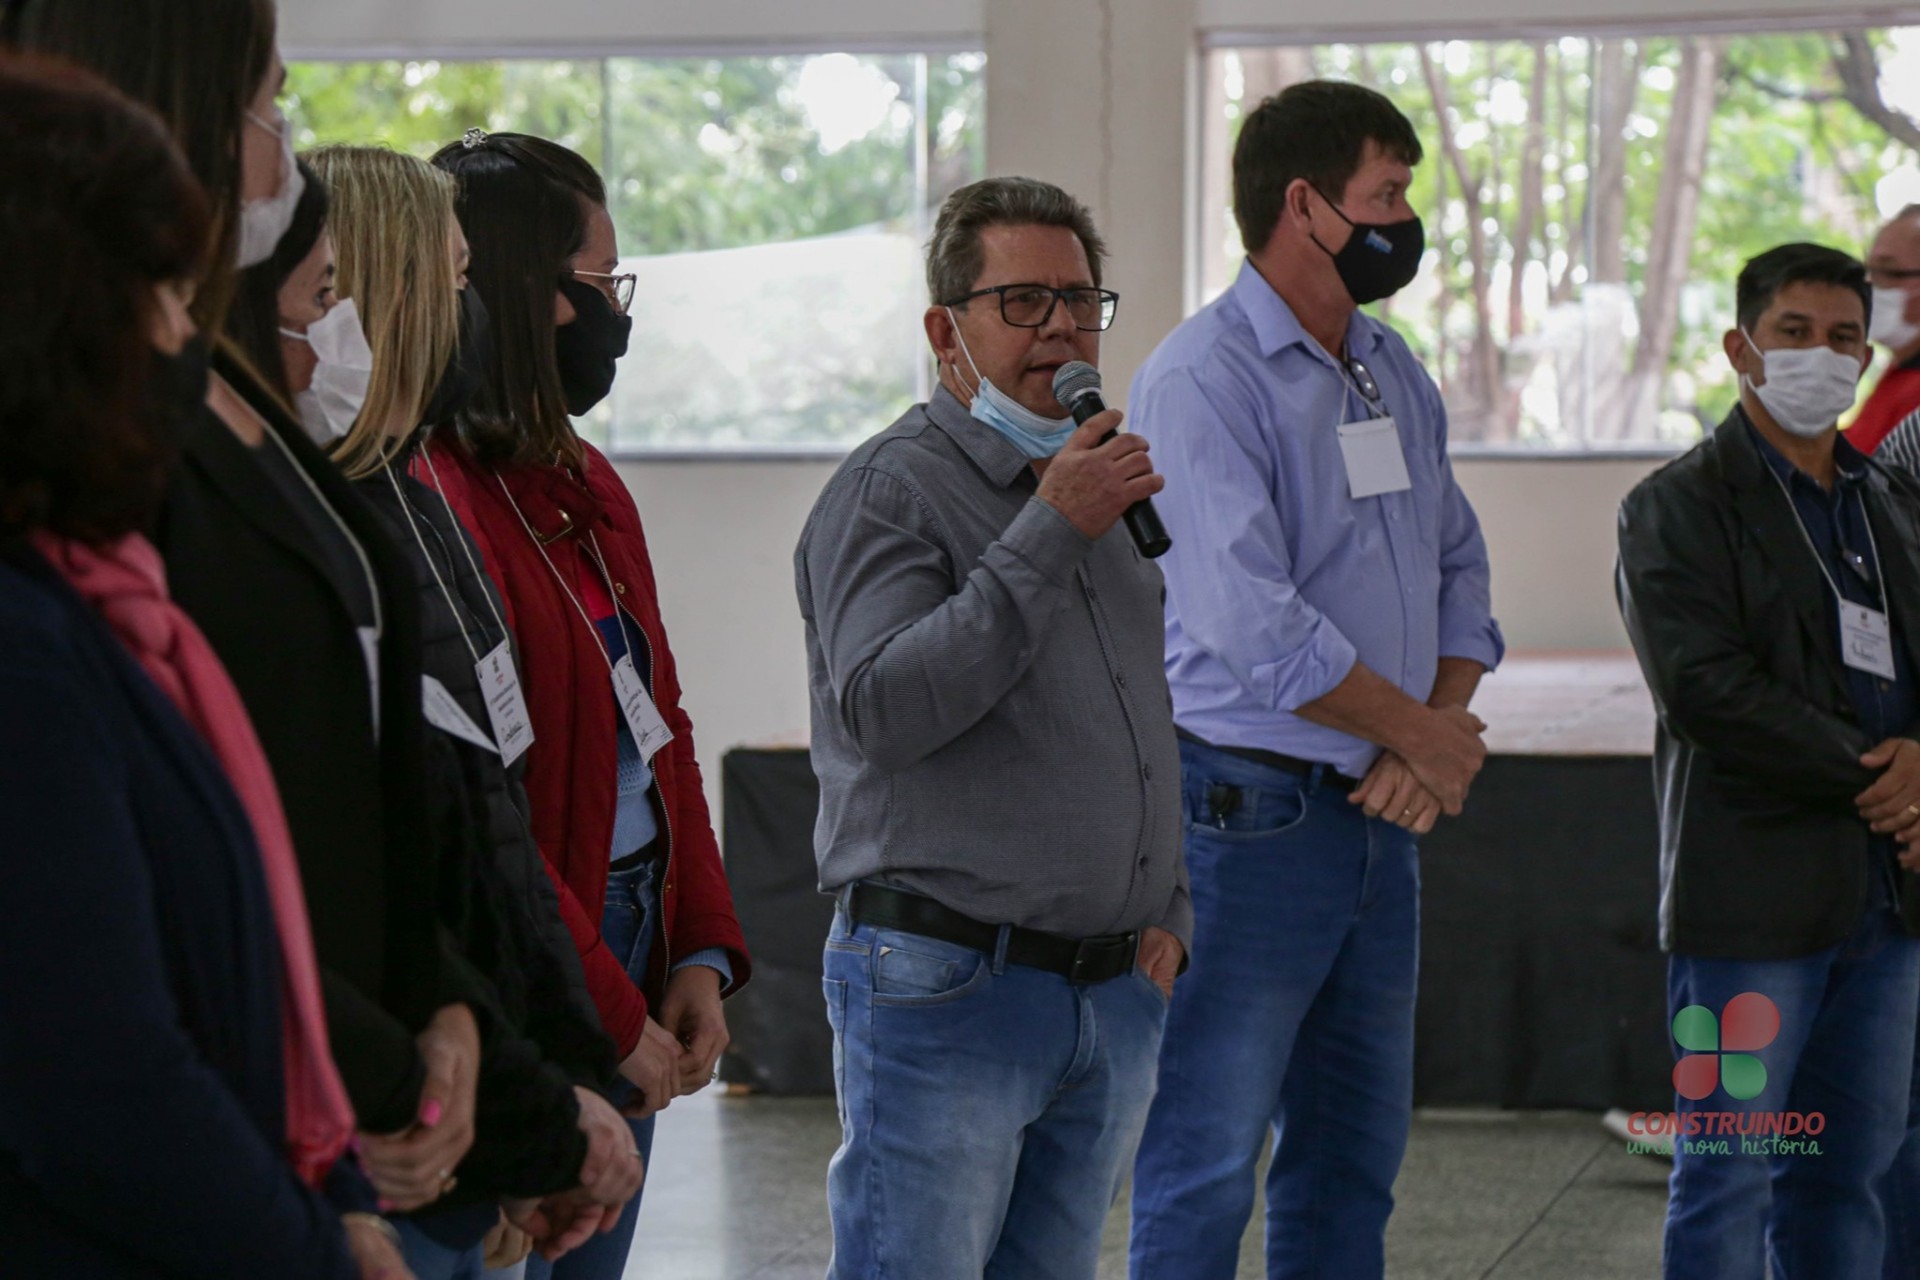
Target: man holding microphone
[[1327, 622], [999, 777]]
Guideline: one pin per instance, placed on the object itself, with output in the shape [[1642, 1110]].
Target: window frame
[[1210, 40], [875, 46]]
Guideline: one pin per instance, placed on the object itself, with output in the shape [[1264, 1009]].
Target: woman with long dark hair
[[168, 1106], [617, 804], [304, 597], [544, 1128]]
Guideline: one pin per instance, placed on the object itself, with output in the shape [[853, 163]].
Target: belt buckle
[[1102, 952]]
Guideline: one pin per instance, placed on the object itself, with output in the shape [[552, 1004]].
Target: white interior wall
[[1094, 94], [723, 532]]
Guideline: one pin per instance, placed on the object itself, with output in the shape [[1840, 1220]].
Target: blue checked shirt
[[1279, 581]]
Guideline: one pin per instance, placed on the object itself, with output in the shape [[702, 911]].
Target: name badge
[[506, 705], [1866, 640], [445, 713], [649, 731], [1375, 462]]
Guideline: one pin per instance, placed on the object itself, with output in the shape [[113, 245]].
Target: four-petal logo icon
[[1719, 1052]]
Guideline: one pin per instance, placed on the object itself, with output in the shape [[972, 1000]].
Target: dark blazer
[[541, 1032], [142, 1114], [1757, 760], [242, 564]]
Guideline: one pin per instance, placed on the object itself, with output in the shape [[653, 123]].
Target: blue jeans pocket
[[626, 923], [1236, 814], [911, 970], [1160, 997]]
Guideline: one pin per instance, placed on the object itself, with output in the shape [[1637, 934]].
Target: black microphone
[[1076, 385]]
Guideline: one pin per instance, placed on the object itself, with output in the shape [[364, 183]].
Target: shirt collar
[[1848, 461], [1276, 327], [992, 452]]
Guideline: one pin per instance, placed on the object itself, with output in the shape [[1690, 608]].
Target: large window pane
[[773, 209], [1589, 203]]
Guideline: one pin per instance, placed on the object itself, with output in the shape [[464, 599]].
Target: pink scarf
[[127, 584]]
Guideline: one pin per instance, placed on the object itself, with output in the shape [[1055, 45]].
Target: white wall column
[[1097, 96]]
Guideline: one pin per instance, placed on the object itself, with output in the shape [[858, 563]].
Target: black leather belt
[[1086, 960], [1274, 760]]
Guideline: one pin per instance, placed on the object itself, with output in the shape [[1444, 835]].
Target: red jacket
[[1896, 396], [570, 777]]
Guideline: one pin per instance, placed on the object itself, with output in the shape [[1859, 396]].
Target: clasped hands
[[676, 1056], [1413, 791], [1891, 805]]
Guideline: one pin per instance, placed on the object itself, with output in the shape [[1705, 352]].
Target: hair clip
[[473, 138]]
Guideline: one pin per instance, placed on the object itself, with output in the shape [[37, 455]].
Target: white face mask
[[264, 221], [1891, 328], [343, 370], [1807, 388], [1031, 433]]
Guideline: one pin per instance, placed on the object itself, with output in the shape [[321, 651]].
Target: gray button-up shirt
[[991, 721]]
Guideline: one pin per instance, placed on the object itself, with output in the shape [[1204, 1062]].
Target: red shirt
[[1895, 396], [571, 767]]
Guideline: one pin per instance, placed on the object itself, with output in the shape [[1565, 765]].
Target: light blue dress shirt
[[1279, 581]]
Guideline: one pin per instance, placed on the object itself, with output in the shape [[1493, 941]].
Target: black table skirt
[[1541, 981]]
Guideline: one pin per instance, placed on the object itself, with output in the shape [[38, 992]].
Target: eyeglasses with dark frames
[[1030, 306], [619, 289]]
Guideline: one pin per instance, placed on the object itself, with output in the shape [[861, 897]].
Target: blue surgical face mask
[[1033, 435]]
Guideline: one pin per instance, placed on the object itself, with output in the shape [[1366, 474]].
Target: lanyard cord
[[1873, 545], [366, 566], [478, 573], [414, 526], [1350, 388], [599, 642]]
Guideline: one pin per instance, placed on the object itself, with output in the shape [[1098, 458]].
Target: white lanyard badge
[[1866, 635], [1376, 464], [644, 722], [499, 680]]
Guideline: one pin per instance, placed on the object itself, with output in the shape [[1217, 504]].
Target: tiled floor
[[738, 1193]]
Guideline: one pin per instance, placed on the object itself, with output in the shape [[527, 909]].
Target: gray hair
[[954, 255]]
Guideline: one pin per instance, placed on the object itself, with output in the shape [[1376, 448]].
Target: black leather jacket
[[1757, 761]]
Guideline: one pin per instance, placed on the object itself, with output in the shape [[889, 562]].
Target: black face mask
[[177, 390], [466, 372], [1379, 259], [590, 347]]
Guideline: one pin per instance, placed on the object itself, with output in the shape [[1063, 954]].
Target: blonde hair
[[391, 220]]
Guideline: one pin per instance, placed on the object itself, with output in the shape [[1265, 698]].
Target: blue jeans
[[428, 1259], [1845, 1050], [1900, 1193], [628, 925], [988, 1110], [1297, 1013]]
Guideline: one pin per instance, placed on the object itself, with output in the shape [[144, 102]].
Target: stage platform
[[1542, 985]]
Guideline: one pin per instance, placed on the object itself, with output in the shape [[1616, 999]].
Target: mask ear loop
[[973, 392], [1336, 212], [1746, 380]]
